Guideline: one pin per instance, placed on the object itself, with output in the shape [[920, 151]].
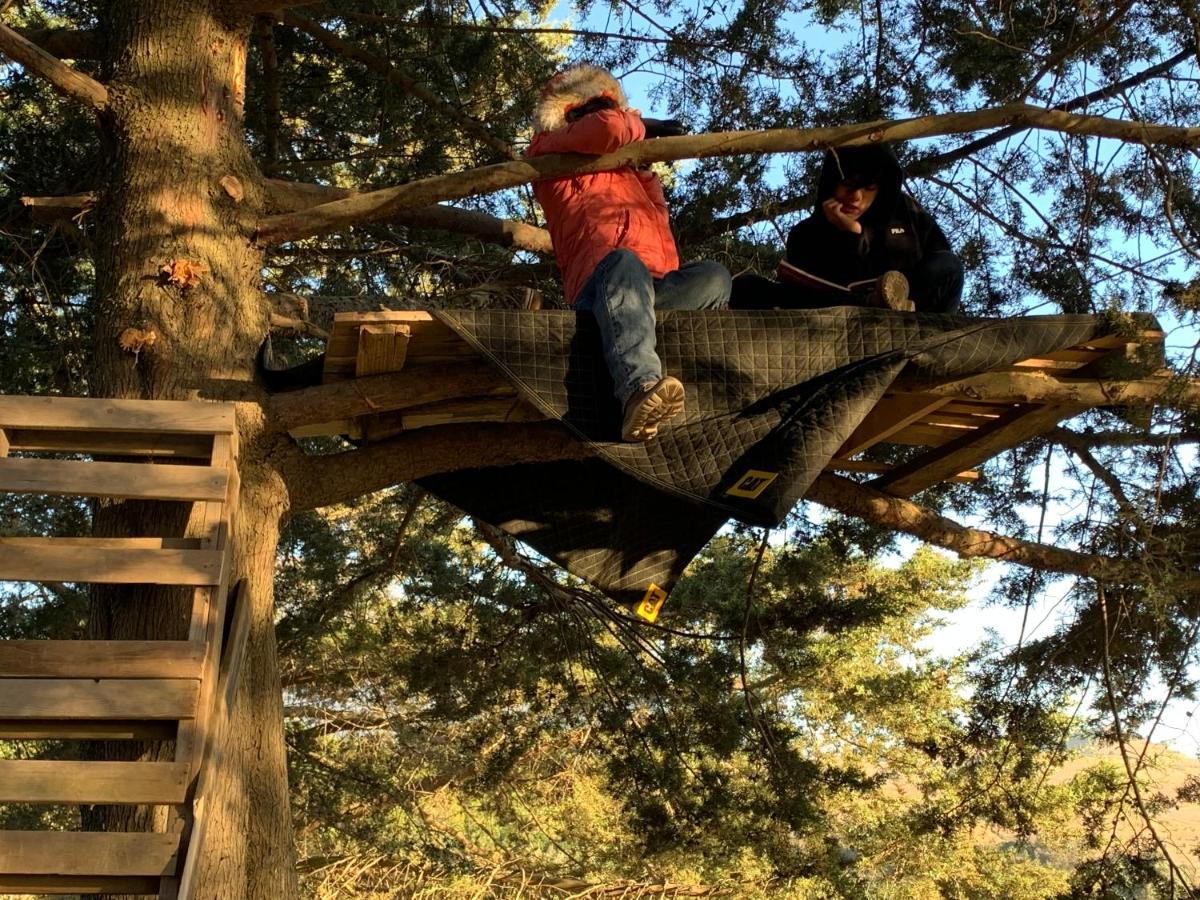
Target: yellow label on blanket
[[651, 603], [753, 483]]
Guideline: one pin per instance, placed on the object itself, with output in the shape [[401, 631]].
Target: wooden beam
[[414, 386], [106, 565], [892, 414], [134, 481], [72, 782], [971, 449], [878, 468], [100, 659], [105, 414], [115, 698], [88, 854]]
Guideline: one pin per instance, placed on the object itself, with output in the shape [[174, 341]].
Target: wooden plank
[[88, 853], [135, 481], [432, 341], [919, 434], [895, 412], [106, 565], [876, 467], [5, 442], [71, 782], [972, 449], [137, 543], [72, 730], [112, 443], [114, 698], [101, 659], [78, 884], [381, 348], [104, 414]]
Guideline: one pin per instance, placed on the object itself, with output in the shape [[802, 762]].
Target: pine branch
[[383, 204], [394, 75], [64, 79]]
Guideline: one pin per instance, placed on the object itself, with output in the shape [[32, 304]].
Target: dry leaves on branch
[[182, 272]]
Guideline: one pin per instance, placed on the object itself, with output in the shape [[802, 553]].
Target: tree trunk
[[179, 315]]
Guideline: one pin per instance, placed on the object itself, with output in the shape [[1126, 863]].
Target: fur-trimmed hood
[[571, 88]]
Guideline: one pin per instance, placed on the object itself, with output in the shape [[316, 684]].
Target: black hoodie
[[897, 233]]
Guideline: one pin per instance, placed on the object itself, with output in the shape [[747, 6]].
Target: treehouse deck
[[68, 692], [956, 425]]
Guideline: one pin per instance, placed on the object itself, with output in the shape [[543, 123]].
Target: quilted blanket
[[771, 396]]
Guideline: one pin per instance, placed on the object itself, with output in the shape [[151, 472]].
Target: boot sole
[[658, 406]]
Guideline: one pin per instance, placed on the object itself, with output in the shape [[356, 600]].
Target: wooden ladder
[[177, 690]]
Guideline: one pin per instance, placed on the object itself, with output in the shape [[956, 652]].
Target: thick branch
[[317, 481], [62, 77], [1019, 387], [64, 43], [384, 393], [384, 204], [292, 196], [864, 502], [401, 79]]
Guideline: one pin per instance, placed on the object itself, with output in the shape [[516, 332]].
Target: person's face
[[855, 198]]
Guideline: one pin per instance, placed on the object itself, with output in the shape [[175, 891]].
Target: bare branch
[[317, 481], [64, 79], [1122, 438], [264, 37], [401, 79], [291, 196], [864, 502], [384, 204]]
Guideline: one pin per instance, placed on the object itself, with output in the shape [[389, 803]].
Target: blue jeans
[[623, 296]]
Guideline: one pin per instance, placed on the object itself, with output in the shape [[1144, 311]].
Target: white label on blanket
[[753, 483], [651, 603]]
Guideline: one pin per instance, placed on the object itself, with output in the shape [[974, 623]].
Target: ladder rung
[[87, 854], [79, 884], [103, 414], [106, 563], [113, 698], [71, 730], [101, 659], [134, 481], [59, 781]]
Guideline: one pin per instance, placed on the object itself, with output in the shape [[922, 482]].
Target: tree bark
[[175, 212]]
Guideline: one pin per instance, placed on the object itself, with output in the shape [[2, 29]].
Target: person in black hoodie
[[865, 232]]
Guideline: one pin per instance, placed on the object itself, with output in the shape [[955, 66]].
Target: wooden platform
[[956, 429], [168, 690]]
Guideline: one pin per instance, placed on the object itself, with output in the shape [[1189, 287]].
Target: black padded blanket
[[771, 396]]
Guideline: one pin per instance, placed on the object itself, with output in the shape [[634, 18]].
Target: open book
[[790, 274]]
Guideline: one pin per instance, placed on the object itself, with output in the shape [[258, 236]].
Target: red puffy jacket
[[591, 215]]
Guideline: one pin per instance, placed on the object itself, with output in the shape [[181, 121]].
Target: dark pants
[[935, 285]]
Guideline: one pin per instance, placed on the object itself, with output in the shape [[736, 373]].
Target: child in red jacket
[[613, 242]]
